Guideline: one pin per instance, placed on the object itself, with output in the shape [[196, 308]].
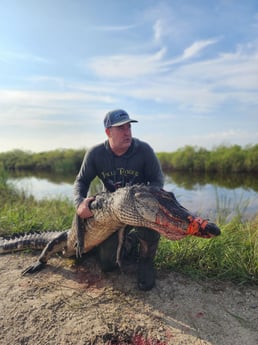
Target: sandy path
[[80, 305]]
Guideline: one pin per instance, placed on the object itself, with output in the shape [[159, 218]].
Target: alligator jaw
[[160, 210], [175, 228]]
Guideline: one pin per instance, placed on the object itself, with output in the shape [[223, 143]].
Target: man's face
[[120, 137]]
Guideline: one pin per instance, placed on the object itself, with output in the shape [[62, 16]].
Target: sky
[[187, 70]]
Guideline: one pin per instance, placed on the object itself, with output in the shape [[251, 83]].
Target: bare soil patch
[[66, 304]]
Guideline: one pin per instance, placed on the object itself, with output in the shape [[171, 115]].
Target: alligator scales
[[137, 205]]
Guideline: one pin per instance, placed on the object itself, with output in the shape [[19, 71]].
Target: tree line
[[222, 159], [60, 160]]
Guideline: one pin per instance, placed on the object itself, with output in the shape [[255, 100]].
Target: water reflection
[[231, 181], [41, 188], [54, 177], [201, 193], [208, 194]]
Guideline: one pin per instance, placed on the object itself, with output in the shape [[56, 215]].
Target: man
[[121, 160]]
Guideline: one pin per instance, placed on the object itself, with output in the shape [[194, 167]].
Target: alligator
[[136, 205]]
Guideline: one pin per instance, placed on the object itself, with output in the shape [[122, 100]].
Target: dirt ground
[[68, 304]]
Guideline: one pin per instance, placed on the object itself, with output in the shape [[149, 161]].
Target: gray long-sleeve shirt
[[138, 165]]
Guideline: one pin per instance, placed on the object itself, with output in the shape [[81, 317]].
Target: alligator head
[[159, 210]]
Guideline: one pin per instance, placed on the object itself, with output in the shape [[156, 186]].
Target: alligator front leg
[[121, 233], [55, 246], [79, 225]]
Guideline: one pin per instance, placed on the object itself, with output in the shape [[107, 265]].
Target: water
[[42, 188], [201, 195], [208, 199]]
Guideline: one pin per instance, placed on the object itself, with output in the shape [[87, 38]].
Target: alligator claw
[[80, 232], [38, 266], [79, 250]]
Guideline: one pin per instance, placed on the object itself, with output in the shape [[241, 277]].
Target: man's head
[[118, 129], [116, 118]]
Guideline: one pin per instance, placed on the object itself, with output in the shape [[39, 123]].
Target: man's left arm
[[153, 171]]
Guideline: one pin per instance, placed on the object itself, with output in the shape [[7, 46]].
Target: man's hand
[[83, 209]]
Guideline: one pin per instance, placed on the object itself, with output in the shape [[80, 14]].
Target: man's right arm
[[83, 209], [81, 186]]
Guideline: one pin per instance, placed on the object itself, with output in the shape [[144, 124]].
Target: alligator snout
[[212, 229]]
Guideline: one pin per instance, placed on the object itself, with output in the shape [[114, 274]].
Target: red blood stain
[[200, 314], [89, 279]]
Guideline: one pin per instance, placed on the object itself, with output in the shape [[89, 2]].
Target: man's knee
[[148, 235], [106, 252], [149, 240]]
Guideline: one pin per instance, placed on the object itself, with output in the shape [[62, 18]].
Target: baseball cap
[[117, 117]]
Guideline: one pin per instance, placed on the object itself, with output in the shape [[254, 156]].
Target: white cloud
[[226, 137], [128, 66], [200, 86], [196, 47], [34, 111], [47, 140], [229, 75], [158, 30], [30, 98]]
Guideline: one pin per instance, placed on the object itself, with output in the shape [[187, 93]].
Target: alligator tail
[[57, 244], [35, 241]]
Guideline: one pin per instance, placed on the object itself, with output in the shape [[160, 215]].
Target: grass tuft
[[231, 256]]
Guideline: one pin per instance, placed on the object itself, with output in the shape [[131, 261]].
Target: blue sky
[[186, 70]]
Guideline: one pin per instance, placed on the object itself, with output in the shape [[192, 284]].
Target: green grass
[[231, 256], [20, 213]]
